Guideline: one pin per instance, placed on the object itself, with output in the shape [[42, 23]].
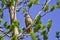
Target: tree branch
[[24, 31], [45, 13], [47, 2], [1, 27], [5, 33]]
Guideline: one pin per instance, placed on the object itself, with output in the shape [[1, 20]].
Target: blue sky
[[54, 16]]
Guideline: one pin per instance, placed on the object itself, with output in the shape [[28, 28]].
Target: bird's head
[[26, 15]]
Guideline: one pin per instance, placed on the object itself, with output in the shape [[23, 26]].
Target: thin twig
[[24, 31], [45, 13], [1, 27], [5, 33], [47, 2]]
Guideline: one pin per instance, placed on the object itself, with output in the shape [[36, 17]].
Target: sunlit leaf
[[6, 25], [58, 4], [1, 9], [43, 29], [25, 9], [16, 23], [33, 2], [37, 23], [1, 37], [36, 28], [1, 15], [53, 7], [46, 8], [0, 21], [49, 25], [14, 37], [33, 36], [36, 1], [10, 3], [45, 37], [30, 4], [43, 32], [3, 3]]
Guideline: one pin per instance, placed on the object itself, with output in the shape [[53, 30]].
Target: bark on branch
[[5, 33]]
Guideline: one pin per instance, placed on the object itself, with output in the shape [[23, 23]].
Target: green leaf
[[14, 37], [3, 3], [16, 23], [58, 4], [38, 19], [1, 15], [0, 21], [43, 29], [45, 37], [46, 8], [19, 30], [1, 9], [30, 4], [53, 7], [43, 32], [57, 34], [25, 9], [1, 37], [33, 35], [36, 2], [36, 28], [33, 2], [37, 23], [49, 25], [6, 25], [10, 3]]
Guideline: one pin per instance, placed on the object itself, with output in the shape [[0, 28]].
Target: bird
[[28, 23]]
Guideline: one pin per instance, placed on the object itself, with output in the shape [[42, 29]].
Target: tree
[[32, 26]]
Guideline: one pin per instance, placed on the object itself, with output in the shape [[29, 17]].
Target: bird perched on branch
[[28, 23]]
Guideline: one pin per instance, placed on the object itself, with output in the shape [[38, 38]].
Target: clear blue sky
[[54, 16]]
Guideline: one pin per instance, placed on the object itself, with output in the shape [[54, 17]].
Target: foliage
[[37, 22], [15, 23], [1, 9], [14, 37], [57, 35], [46, 8], [1, 15], [33, 35], [49, 25], [53, 7], [10, 3], [12, 27], [3, 3], [6, 25], [58, 4], [0, 21], [1, 37], [32, 2], [25, 9]]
